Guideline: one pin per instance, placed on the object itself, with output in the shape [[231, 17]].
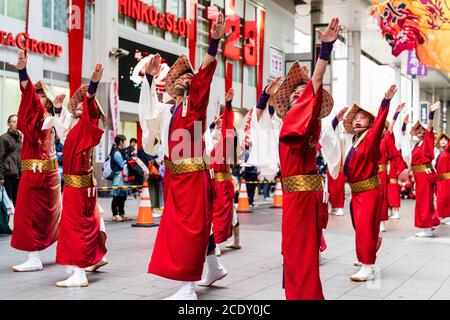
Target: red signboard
[[143, 12], [24, 42]]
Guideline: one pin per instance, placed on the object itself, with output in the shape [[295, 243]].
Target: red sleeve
[[227, 129], [31, 112], [448, 148], [393, 152], [375, 133], [428, 146], [89, 134], [200, 87], [305, 110]]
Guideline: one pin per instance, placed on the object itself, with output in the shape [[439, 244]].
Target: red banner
[[76, 39], [261, 21]]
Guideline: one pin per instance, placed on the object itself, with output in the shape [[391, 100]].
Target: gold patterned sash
[[365, 185], [75, 181], [444, 176], [422, 167], [39, 165], [393, 181], [382, 167], [303, 183], [187, 165], [223, 176]]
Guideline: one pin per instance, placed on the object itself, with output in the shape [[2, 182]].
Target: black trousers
[[11, 187], [118, 205]]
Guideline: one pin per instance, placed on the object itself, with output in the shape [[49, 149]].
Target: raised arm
[[264, 98], [405, 124], [435, 106], [21, 67], [328, 38], [217, 33], [394, 119], [339, 117]]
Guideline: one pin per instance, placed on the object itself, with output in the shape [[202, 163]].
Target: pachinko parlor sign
[[24, 42]]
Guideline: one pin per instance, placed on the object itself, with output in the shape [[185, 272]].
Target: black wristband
[[23, 74], [213, 47], [92, 89]]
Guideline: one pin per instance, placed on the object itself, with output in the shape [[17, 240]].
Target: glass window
[[2, 6], [9, 102], [47, 13], [88, 20], [251, 76], [17, 9], [60, 15], [237, 71]]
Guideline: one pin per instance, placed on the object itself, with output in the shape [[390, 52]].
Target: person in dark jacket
[[10, 149]]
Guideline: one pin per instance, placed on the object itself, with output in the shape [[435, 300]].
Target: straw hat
[[297, 77], [441, 135], [78, 97], [351, 116], [180, 67], [416, 127]]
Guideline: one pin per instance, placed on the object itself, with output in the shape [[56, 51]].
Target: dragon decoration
[[420, 25]]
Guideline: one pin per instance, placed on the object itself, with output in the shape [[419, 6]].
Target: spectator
[[132, 148], [250, 174], [119, 160], [10, 150]]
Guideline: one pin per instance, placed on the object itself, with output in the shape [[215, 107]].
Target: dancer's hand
[[435, 106], [391, 92], [332, 31], [22, 59], [406, 119], [400, 107], [97, 74], [218, 27], [270, 90], [154, 65], [340, 115], [57, 103]]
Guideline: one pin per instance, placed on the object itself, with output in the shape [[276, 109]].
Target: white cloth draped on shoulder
[[264, 138], [62, 123], [154, 118], [330, 140]]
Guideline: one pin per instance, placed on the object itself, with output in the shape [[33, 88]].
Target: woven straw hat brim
[[296, 77], [351, 116], [78, 97], [40, 85], [416, 127]]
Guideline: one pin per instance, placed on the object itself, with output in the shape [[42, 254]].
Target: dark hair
[[10, 117], [119, 138], [133, 140]]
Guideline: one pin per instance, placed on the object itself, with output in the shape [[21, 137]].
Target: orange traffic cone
[[243, 204], [145, 215], [278, 195]]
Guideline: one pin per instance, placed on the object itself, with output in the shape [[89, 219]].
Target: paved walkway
[[410, 268]]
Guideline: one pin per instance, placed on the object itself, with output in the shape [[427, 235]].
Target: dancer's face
[[361, 122], [79, 109], [297, 93], [43, 98], [182, 83], [443, 142], [420, 133]]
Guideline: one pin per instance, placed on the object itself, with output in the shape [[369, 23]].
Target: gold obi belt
[[422, 167], [39, 165], [382, 167], [393, 181], [341, 169], [223, 176], [75, 181], [366, 185], [301, 183], [187, 165], [444, 176]]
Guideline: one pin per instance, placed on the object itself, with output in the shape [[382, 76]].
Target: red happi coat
[[80, 241], [396, 167], [184, 230], [38, 206], [383, 175], [362, 164], [224, 201], [336, 189], [425, 212], [443, 185], [304, 213]]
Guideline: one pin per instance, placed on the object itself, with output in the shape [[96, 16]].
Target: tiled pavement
[[410, 268]]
